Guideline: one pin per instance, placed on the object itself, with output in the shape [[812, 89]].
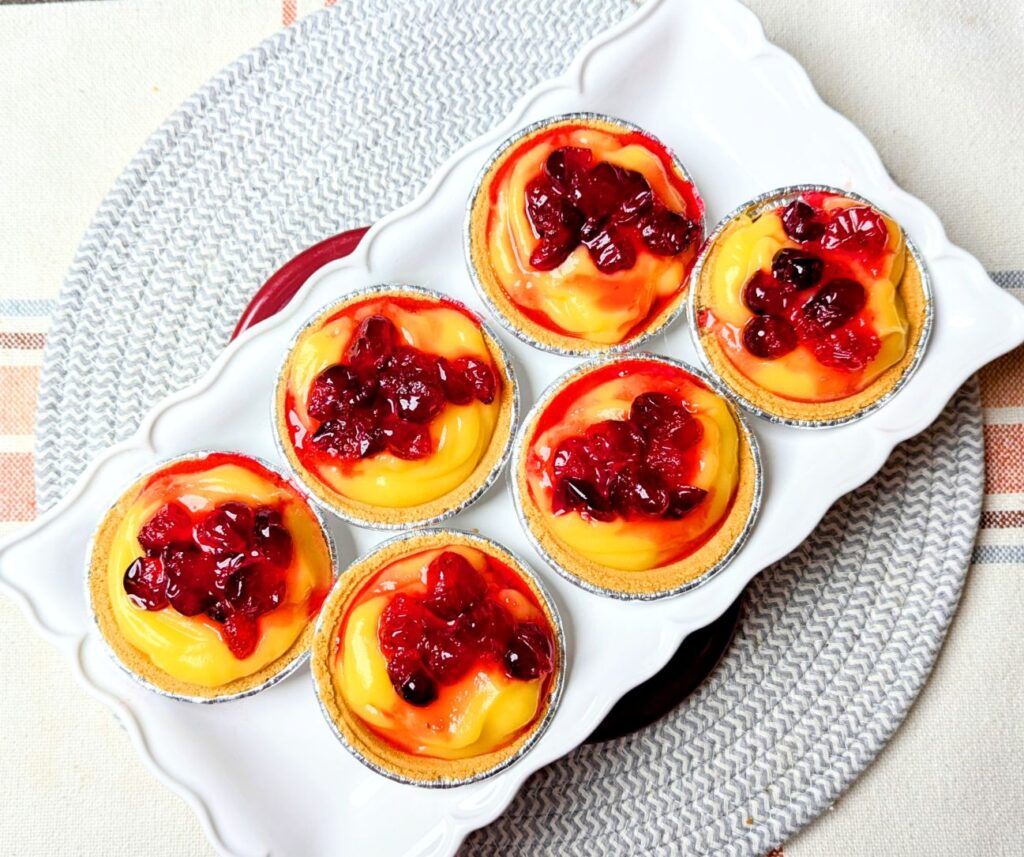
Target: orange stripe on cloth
[[776, 852], [289, 11], [18, 387], [1004, 459], [329, 3], [17, 490], [1002, 381]]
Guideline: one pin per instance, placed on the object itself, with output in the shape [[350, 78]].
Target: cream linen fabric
[[937, 87]]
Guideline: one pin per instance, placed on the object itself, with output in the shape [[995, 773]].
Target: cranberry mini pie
[[811, 305], [634, 477], [582, 232], [395, 406], [438, 658], [206, 575]]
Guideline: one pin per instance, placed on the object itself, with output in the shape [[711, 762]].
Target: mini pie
[[811, 305], [206, 575], [582, 232], [395, 406], [438, 658], [635, 478]]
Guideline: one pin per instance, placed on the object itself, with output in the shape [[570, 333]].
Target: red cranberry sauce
[[228, 563], [383, 394], [639, 467], [433, 637], [812, 295]]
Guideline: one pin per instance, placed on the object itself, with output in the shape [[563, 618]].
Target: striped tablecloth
[[84, 83]]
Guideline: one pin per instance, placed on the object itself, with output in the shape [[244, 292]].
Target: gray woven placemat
[[339, 120]]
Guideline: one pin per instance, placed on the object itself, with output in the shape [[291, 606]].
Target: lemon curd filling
[[460, 434], [748, 246], [638, 544], [484, 711], [576, 298], [192, 649]]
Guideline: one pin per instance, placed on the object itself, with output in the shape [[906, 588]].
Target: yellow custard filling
[[460, 434], [484, 711], [577, 297], [748, 246], [640, 545], [191, 648]]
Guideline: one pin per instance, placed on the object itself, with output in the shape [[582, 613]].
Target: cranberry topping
[[387, 393], [373, 344], [765, 295], [769, 336], [785, 318], [846, 349], [228, 563], [628, 468], [529, 654], [860, 228], [171, 524], [666, 233], [801, 222], [242, 634], [453, 585], [835, 304], [437, 639], [411, 680], [338, 389], [796, 268], [606, 208], [146, 583]]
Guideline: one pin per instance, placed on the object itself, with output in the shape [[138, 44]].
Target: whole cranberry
[[801, 222], [769, 337], [146, 584], [796, 268], [242, 634], [836, 303], [457, 388], [666, 233], [550, 212], [373, 343], [653, 410], [530, 654], [221, 531], [765, 295], [859, 228], [682, 500], [479, 376]]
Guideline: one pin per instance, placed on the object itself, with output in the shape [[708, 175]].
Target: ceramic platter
[[701, 77]]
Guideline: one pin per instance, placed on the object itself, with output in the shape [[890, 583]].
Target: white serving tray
[[701, 76]]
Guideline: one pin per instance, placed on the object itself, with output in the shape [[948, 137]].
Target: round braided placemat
[[333, 123]]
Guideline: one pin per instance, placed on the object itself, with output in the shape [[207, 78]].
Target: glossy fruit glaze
[[591, 233], [446, 652], [634, 465], [217, 559], [804, 299], [392, 400]]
